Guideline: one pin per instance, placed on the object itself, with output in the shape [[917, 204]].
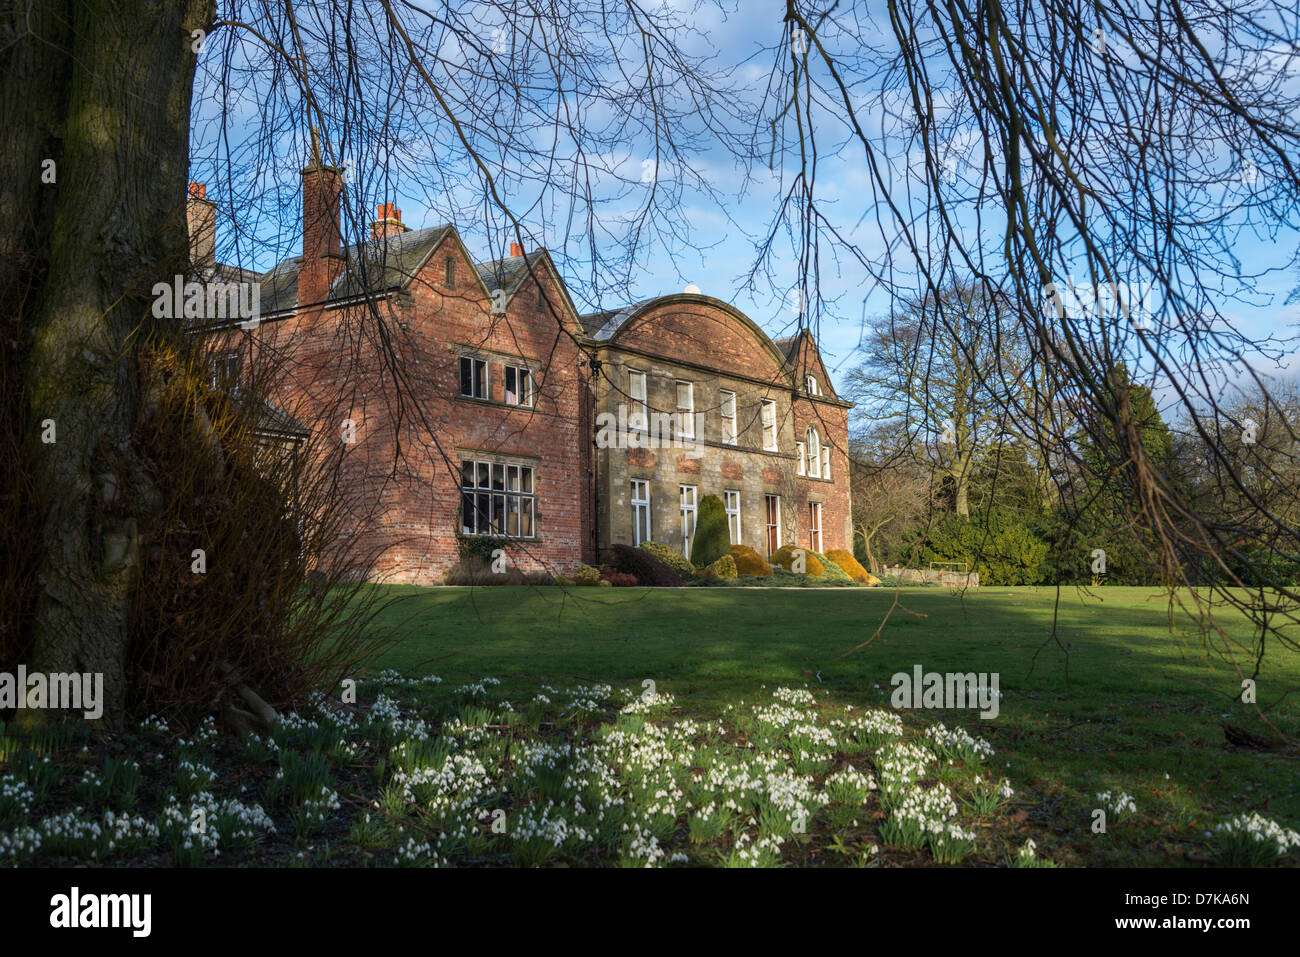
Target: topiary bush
[[648, 570], [724, 567], [670, 557], [830, 571], [852, 567], [750, 562], [712, 533], [784, 557], [586, 575]]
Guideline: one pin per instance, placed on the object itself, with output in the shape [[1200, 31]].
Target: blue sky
[[726, 226]]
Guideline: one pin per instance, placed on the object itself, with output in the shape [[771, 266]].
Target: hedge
[[830, 571], [724, 567]]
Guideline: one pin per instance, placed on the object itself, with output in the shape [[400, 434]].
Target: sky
[[723, 218]]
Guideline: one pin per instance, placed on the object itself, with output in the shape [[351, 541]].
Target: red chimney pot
[[516, 249]]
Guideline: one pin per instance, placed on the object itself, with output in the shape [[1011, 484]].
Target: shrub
[[481, 547], [996, 546], [783, 557], [712, 533], [724, 567], [617, 578], [851, 566], [670, 557], [750, 562], [586, 575], [476, 571], [644, 567], [830, 571]]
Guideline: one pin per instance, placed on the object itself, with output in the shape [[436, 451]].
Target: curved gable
[[702, 329]]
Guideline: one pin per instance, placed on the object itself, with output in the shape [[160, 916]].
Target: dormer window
[[810, 385]]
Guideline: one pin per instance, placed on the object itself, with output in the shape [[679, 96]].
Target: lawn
[[703, 726], [1133, 708]]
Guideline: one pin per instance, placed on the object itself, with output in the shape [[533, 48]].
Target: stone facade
[[729, 369], [423, 371]]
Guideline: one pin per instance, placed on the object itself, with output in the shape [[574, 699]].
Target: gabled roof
[[787, 345], [374, 266], [509, 273]]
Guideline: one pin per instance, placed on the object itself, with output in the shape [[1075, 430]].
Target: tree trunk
[[103, 90]]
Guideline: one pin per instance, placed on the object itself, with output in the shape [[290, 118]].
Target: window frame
[[727, 397], [490, 498], [477, 365], [814, 449], [774, 445], [640, 507], [686, 414], [524, 374], [225, 369], [732, 513], [772, 528], [815, 526], [692, 510], [633, 375], [449, 272], [801, 465]]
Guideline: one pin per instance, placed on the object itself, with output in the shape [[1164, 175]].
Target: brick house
[[472, 408]]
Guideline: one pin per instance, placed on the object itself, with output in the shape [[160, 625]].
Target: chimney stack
[[389, 222], [322, 256], [516, 249], [201, 214]]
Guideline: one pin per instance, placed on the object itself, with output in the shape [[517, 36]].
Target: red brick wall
[[830, 418], [402, 473], [404, 467]]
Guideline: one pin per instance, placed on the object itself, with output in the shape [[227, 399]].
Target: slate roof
[[509, 273], [786, 345], [273, 420], [374, 266], [602, 325]]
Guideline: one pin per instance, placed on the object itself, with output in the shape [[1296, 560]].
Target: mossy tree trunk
[[93, 173]]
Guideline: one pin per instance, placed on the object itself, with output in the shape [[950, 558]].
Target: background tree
[[940, 375], [888, 496]]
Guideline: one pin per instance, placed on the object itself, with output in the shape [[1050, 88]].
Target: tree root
[[259, 716]]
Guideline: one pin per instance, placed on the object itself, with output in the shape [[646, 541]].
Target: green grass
[[517, 727], [1134, 707]]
